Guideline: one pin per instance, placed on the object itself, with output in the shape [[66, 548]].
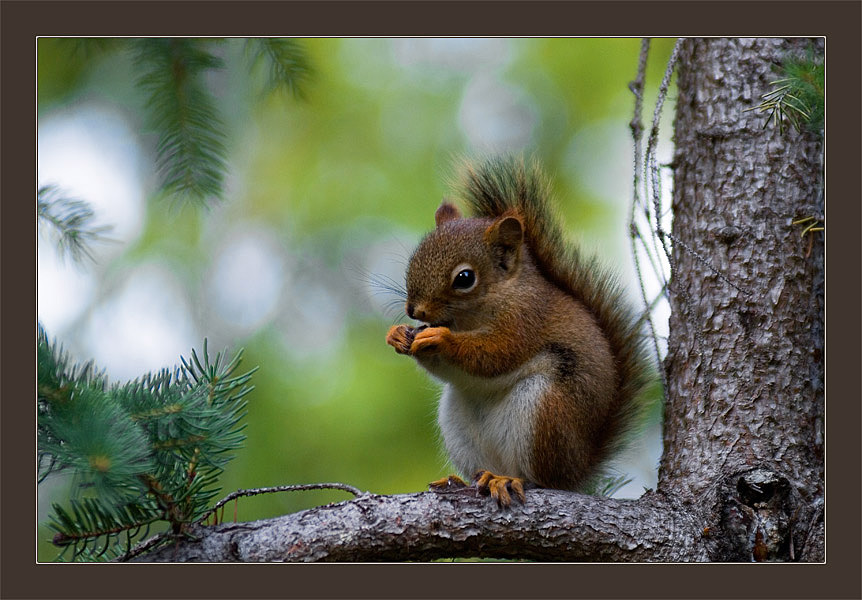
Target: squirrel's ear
[[446, 212], [506, 234], [505, 231]]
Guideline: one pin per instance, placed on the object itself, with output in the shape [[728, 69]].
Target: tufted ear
[[506, 235], [446, 212]]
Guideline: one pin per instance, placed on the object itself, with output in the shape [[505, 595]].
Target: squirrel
[[540, 354]]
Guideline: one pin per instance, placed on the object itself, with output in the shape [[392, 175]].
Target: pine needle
[[71, 221], [289, 68], [190, 153], [798, 97], [147, 451]]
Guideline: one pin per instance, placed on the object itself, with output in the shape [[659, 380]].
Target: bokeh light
[[324, 196]]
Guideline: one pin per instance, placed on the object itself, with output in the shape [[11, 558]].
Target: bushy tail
[[496, 185]]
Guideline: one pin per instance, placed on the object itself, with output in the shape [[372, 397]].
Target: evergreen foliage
[[180, 109], [798, 97], [94, 46], [289, 66], [190, 153], [143, 452], [71, 221], [607, 485]]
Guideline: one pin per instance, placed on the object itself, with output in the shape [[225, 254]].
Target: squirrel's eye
[[464, 280]]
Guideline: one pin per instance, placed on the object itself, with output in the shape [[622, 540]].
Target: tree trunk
[[744, 414], [741, 477]]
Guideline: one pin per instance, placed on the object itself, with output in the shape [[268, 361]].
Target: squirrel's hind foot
[[500, 487], [447, 483]]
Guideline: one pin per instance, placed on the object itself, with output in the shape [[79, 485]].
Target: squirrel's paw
[[500, 486], [430, 339], [400, 337], [453, 481]]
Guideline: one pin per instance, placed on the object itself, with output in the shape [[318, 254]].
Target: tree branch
[[551, 526]]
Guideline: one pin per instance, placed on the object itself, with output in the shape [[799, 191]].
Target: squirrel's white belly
[[487, 423]]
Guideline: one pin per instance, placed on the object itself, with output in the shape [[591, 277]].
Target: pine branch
[[90, 47], [142, 452], [92, 523], [551, 526], [276, 489], [289, 68], [191, 152], [798, 97], [58, 382], [71, 221]]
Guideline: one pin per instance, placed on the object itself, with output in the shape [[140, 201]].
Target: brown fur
[[534, 296], [497, 187]]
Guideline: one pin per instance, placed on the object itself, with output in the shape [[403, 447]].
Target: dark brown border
[[22, 21], [424, 17]]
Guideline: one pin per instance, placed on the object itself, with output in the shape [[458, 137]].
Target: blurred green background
[[320, 193]]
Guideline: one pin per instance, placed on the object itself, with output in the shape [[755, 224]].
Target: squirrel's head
[[459, 267]]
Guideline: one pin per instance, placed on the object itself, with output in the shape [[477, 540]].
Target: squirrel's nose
[[415, 313]]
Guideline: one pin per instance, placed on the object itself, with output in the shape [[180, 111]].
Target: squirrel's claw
[[400, 337], [499, 486], [453, 481]]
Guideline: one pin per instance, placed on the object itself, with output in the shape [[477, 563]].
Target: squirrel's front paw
[[401, 337], [430, 339]]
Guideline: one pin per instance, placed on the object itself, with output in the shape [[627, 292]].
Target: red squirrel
[[541, 356]]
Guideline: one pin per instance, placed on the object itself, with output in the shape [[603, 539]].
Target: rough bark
[[741, 477], [551, 526], [744, 415]]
